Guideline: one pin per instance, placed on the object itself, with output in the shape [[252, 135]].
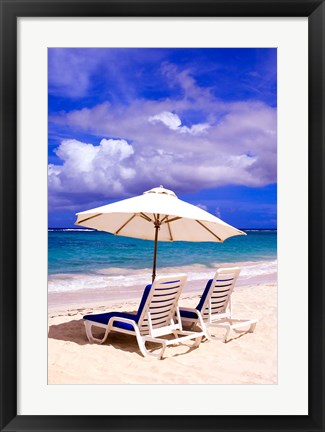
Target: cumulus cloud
[[173, 122], [189, 143], [167, 118], [93, 170]]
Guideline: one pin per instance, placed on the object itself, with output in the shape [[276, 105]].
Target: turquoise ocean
[[86, 259]]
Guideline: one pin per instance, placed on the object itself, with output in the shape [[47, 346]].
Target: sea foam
[[251, 272]]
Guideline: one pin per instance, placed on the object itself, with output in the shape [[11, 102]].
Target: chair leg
[[204, 328], [207, 334], [252, 327], [88, 331], [146, 352], [227, 334], [91, 338], [88, 327], [250, 330], [197, 341], [141, 342], [162, 351], [142, 345]]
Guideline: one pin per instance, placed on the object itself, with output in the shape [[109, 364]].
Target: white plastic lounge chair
[[158, 315], [214, 308]]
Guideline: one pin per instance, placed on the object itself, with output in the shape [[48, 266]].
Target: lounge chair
[[158, 315], [214, 308]]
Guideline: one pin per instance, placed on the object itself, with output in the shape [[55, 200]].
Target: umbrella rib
[[91, 217], [163, 219], [173, 219], [170, 232], [129, 220], [211, 232], [146, 217]]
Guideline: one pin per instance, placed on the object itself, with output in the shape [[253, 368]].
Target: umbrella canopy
[[157, 214]]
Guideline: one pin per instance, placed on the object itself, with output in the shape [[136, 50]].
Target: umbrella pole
[[155, 253]]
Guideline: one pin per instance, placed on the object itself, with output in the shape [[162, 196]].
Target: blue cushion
[[193, 315], [188, 314], [143, 301], [103, 318], [204, 295]]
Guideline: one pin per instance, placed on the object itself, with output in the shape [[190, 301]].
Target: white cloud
[[74, 78], [97, 171], [173, 122], [242, 161], [228, 143], [168, 119], [195, 129]]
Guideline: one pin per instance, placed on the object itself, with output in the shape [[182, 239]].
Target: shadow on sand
[[74, 331]]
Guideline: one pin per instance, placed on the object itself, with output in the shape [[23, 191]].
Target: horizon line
[[92, 229]]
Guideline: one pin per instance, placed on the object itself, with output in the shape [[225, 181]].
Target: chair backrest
[[161, 303], [217, 293]]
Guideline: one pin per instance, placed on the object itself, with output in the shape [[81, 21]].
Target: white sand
[[246, 359]]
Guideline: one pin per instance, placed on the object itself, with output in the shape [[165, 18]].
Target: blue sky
[[201, 122]]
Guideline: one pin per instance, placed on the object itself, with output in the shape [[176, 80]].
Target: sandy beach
[[246, 359]]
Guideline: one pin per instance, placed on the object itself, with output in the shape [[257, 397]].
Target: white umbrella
[[157, 214]]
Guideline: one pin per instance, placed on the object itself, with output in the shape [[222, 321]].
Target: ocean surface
[[86, 259]]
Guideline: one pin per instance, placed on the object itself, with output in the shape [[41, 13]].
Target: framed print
[[223, 105]]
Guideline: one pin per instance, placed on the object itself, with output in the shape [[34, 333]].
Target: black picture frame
[[10, 11]]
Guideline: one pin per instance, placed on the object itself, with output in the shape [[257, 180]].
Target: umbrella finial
[[161, 190]]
